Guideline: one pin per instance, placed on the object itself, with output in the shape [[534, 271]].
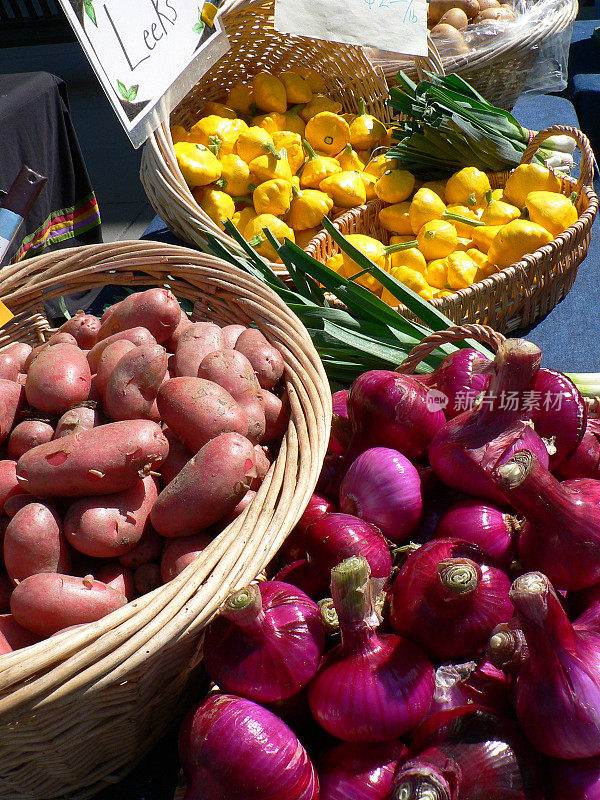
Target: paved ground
[[112, 162]]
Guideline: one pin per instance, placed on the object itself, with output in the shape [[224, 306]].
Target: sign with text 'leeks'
[[399, 26], [147, 54]]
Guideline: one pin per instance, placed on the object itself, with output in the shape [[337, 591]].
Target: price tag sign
[[399, 26], [5, 314], [147, 54]]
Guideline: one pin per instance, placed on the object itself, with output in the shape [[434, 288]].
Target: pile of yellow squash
[[278, 153], [448, 235]]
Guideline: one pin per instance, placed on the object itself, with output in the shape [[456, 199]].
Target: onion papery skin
[[463, 450], [469, 754], [561, 415], [561, 533], [359, 771], [269, 650], [294, 548], [458, 685], [234, 749], [332, 538], [585, 461], [449, 622], [387, 409], [486, 525], [383, 487], [557, 688], [372, 687], [459, 377], [574, 780]]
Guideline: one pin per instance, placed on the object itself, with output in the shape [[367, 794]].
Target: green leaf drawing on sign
[[123, 90], [199, 27], [89, 10], [133, 93]]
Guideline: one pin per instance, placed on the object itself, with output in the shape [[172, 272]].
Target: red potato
[[84, 328], [149, 548], [197, 410], [19, 351], [5, 593], [230, 334], [241, 506], [109, 359], [28, 434], [146, 578], [103, 460], [178, 457], [117, 577], [76, 420], [56, 338], [9, 484], [59, 378], [155, 309], [277, 416], [171, 342], [111, 525], [34, 543], [266, 360], [137, 335], [9, 366], [196, 341], [4, 520], [232, 370], [14, 636], [12, 397], [180, 552], [133, 384], [16, 502], [49, 602], [207, 488], [263, 465]]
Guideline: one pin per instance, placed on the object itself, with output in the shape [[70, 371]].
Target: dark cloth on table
[[36, 129]]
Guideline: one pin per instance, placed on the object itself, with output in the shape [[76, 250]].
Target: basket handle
[[432, 62], [586, 169], [481, 333]]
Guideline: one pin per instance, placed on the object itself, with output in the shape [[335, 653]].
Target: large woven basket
[[77, 711], [255, 46], [498, 71], [516, 296]]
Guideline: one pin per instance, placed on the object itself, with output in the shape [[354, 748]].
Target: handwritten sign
[[147, 54], [5, 314], [399, 26]]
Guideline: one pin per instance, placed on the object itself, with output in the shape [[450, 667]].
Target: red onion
[[302, 575], [372, 687], [462, 449], [387, 409], [579, 602], [340, 409], [560, 415], [460, 378], [294, 548], [332, 538], [574, 780], [267, 642], [331, 475], [483, 524], [561, 534], [585, 461], [507, 648], [359, 771], [447, 599], [469, 754], [557, 689], [232, 748], [384, 488]]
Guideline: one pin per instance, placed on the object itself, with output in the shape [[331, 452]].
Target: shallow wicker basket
[[255, 46], [499, 71], [77, 711], [519, 294]]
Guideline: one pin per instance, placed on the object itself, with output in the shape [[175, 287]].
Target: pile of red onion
[[430, 630]]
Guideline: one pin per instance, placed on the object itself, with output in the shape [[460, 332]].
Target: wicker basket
[[255, 46], [499, 71], [77, 711], [519, 294]]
